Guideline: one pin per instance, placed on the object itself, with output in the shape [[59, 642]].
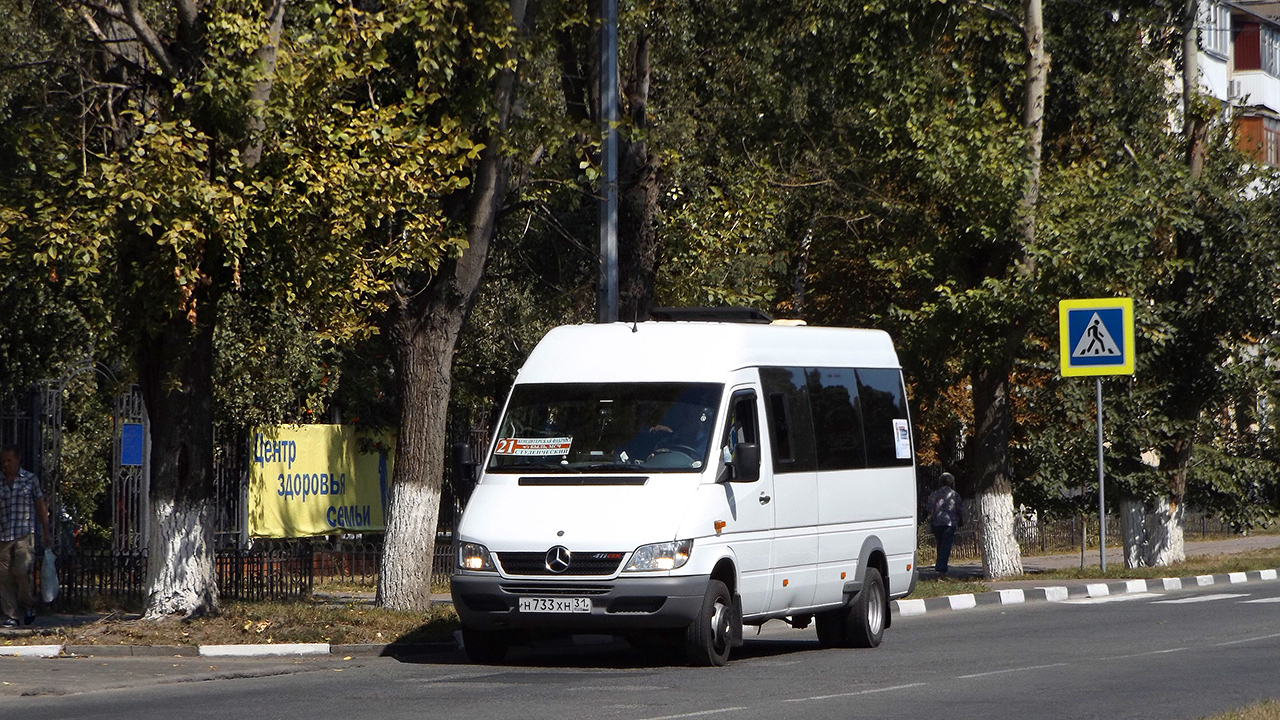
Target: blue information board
[[131, 443]]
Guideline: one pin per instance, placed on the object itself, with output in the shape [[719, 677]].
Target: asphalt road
[[1163, 656]]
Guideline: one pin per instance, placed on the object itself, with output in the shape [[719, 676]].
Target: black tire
[[484, 647], [708, 639], [868, 612]]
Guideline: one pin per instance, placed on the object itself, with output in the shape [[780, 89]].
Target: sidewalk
[[1032, 564], [1007, 592]]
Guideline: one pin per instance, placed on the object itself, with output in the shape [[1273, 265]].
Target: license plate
[[555, 604]]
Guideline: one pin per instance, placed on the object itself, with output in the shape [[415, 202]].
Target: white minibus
[[672, 481]]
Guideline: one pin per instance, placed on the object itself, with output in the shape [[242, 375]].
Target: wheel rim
[[875, 611], [720, 627]]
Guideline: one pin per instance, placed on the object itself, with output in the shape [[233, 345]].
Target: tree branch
[[266, 57], [95, 29], [147, 36]]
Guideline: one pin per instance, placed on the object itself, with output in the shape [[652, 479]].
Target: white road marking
[[852, 694], [1201, 598], [1010, 670], [1145, 654], [1109, 599], [1248, 640], [1263, 600], [700, 713]]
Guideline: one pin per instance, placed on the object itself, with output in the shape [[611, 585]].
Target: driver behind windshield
[[683, 430]]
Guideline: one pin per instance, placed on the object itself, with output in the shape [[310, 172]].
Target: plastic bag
[[49, 577]]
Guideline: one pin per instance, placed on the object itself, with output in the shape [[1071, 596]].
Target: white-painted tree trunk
[[1133, 532], [1165, 541], [1001, 556], [408, 547], [182, 575]]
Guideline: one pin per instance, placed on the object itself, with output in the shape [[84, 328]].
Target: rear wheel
[[862, 623], [867, 613], [708, 638], [485, 647]]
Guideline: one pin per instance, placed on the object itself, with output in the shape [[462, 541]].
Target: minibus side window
[[741, 426], [883, 403], [790, 422], [837, 418], [781, 429]]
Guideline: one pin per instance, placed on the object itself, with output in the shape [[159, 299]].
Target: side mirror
[[464, 468], [746, 463]]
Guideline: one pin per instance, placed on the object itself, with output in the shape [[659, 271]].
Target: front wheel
[[708, 639]]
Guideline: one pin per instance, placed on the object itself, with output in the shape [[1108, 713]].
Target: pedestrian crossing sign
[[1096, 336]]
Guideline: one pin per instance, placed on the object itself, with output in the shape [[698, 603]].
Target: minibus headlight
[[660, 556], [473, 556]]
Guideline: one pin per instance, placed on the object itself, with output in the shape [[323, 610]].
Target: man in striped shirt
[[21, 506]]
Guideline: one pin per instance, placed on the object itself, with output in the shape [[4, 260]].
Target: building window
[[1215, 28], [1270, 51], [1271, 141]]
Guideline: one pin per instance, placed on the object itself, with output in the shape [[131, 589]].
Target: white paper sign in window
[[902, 438], [539, 447]]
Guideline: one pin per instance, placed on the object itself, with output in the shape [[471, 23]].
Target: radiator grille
[[580, 563]]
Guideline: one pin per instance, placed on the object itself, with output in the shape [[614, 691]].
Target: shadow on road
[[605, 652]]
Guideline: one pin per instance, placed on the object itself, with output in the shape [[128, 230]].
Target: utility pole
[[607, 295]]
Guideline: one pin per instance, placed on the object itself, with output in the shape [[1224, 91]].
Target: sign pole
[[1102, 502], [1096, 338]]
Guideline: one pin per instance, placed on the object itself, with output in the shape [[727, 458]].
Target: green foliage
[[85, 463]]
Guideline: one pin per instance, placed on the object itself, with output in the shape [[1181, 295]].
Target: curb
[[1062, 593], [256, 650]]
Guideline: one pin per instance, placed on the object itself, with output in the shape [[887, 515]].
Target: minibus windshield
[[607, 427]]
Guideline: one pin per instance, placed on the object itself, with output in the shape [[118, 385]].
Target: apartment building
[[1240, 65]]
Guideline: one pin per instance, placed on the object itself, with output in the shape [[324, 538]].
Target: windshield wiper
[[593, 467], [531, 467]]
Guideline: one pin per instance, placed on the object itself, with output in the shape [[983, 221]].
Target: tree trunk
[[1165, 543], [1001, 556], [1165, 540], [176, 371], [424, 352], [1195, 127], [424, 328], [1133, 532], [639, 251], [1035, 80]]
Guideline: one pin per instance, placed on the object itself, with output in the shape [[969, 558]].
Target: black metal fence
[[1062, 535], [271, 570]]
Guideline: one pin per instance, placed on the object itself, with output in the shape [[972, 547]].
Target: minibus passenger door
[[749, 493]]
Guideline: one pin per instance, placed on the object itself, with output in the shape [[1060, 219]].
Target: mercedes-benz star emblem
[[558, 559]]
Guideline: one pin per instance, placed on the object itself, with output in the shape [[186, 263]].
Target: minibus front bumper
[[486, 601]]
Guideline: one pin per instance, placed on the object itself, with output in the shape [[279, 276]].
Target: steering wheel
[[682, 449]]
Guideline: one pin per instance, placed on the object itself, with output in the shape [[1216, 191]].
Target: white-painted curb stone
[[44, 651], [264, 650]]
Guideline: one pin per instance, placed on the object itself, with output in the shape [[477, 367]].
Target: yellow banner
[[309, 480]]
